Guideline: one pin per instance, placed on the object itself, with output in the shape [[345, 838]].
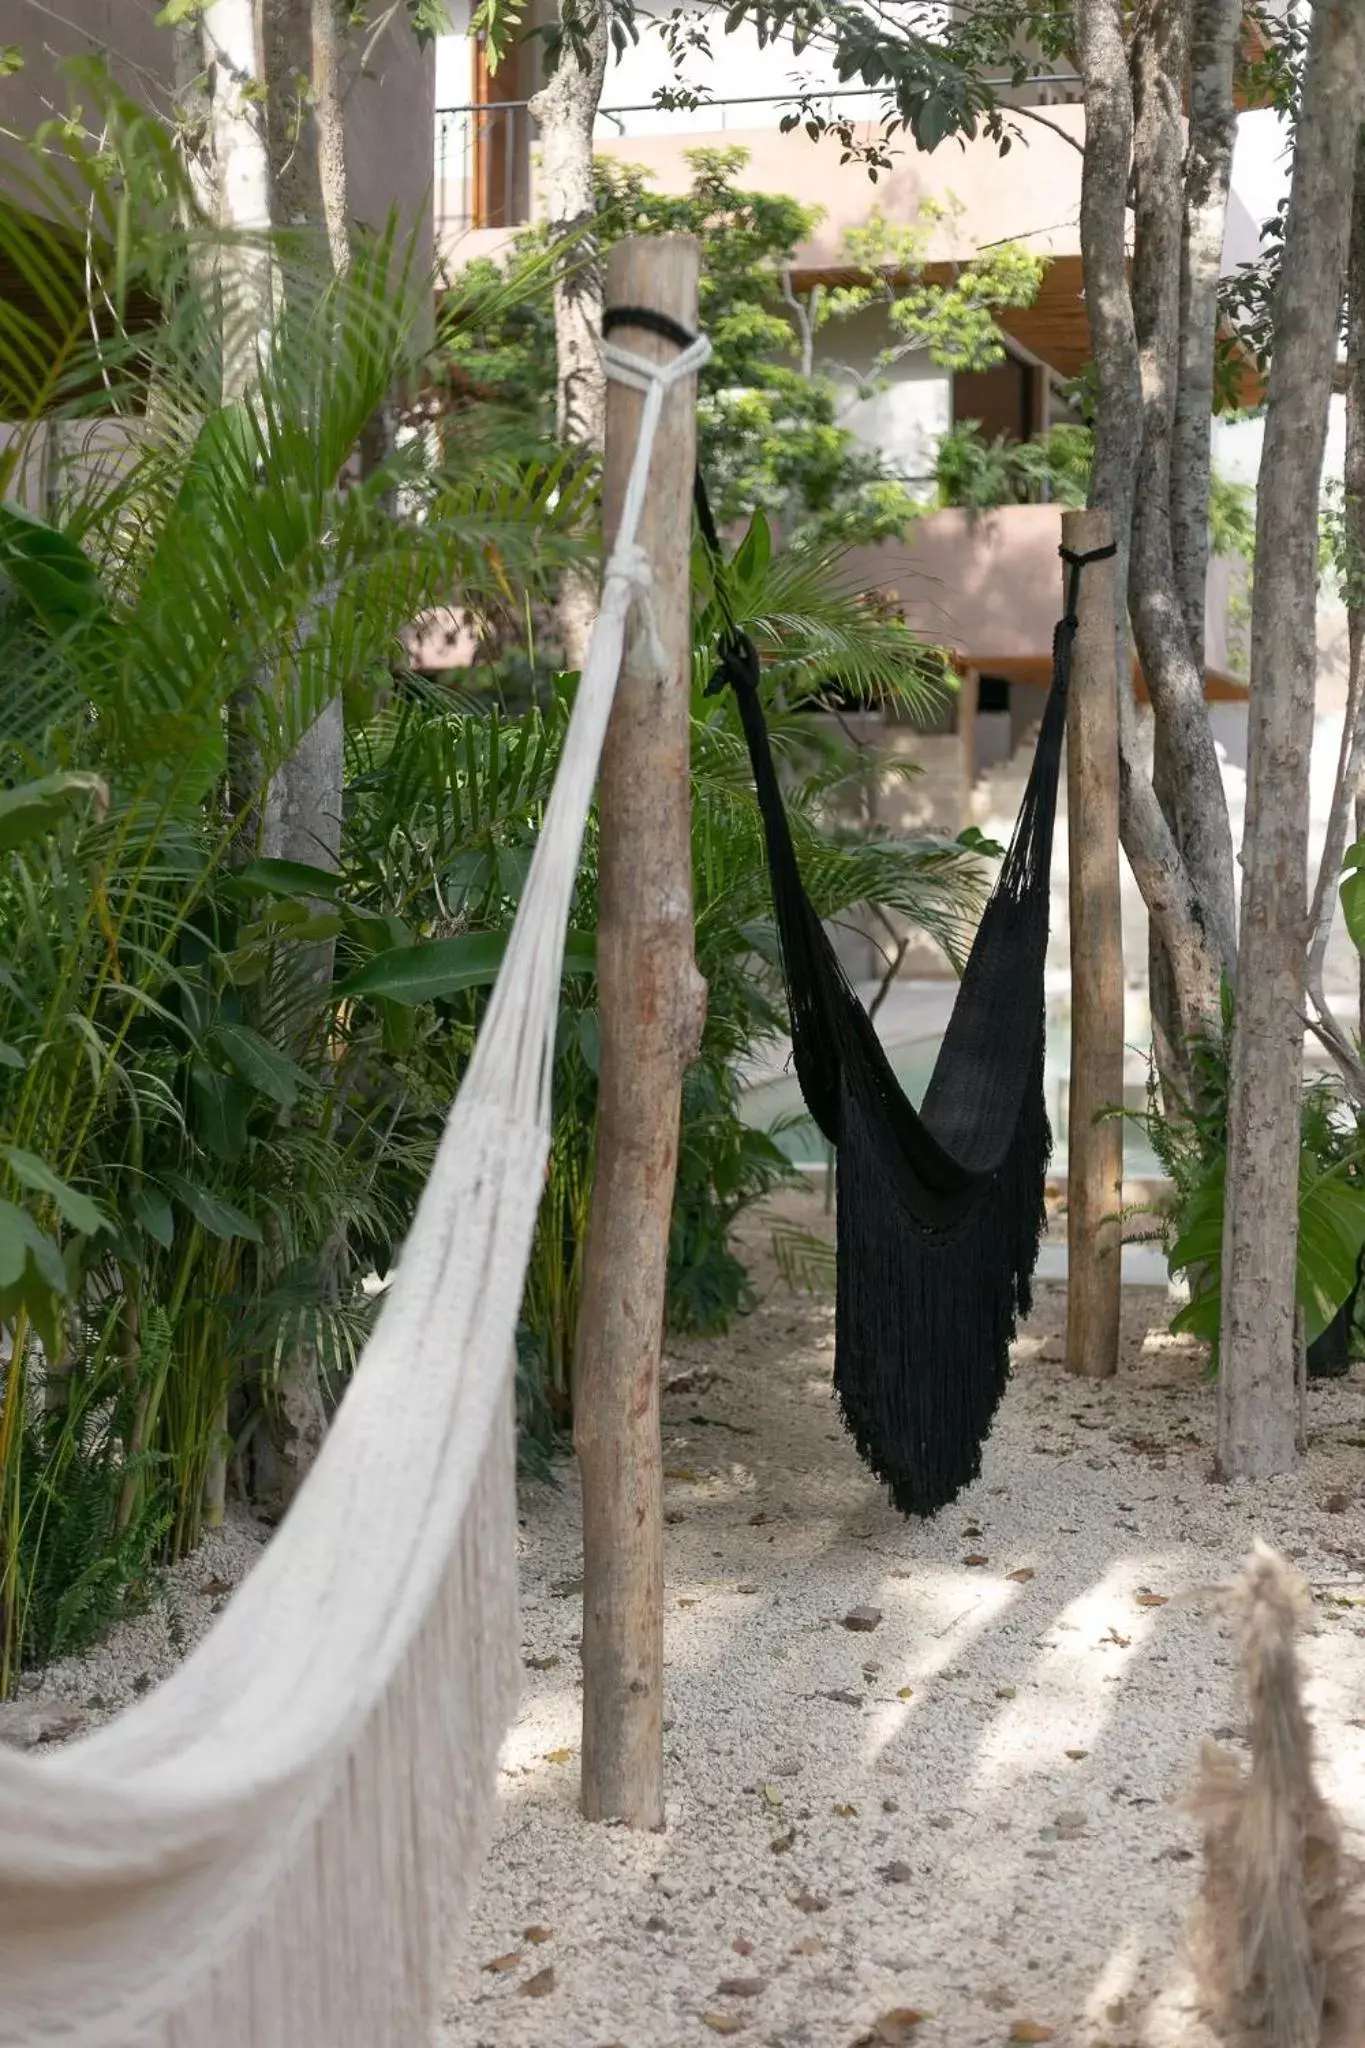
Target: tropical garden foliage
[[773, 413], [222, 1076]]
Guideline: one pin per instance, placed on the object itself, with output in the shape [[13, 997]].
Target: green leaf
[[755, 550], [32, 808], [21, 1241], [10, 1056], [221, 1106], [442, 967], [74, 1208], [285, 878], [260, 1064], [50, 569], [1353, 894], [155, 1214], [219, 1218], [11, 60]]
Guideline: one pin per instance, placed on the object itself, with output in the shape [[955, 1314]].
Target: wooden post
[[651, 1005], [1094, 1175]]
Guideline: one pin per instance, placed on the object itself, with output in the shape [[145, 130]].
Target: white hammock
[[271, 1849]]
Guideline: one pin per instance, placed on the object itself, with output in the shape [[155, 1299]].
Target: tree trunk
[[1347, 795], [1256, 1419], [1213, 32], [1094, 1174], [1171, 900], [302, 50], [566, 109], [651, 1003], [1215, 26], [1189, 782], [296, 159], [242, 187]]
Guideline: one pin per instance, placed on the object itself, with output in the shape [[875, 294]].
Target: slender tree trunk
[[1214, 29], [1349, 794], [242, 187], [302, 42], [1187, 778], [1256, 1407], [1172, 901], [566, 109], [330, 125], [1207, 173], [651, 1004], [274, 82]]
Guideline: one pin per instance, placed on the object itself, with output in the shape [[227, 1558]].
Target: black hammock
[[939, 1209]]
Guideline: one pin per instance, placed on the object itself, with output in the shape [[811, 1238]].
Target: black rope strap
[[1075, 563]]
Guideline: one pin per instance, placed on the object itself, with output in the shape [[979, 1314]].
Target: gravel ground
[[969, 1811]]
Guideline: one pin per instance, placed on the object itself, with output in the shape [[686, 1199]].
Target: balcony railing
[[483, 152]]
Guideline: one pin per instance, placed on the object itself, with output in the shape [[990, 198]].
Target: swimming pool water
[[777, 1103]]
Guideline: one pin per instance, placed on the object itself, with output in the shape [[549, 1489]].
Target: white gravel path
[[969, 1811]]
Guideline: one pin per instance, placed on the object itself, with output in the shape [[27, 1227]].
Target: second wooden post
[[1094, 1176], [651, 1006]]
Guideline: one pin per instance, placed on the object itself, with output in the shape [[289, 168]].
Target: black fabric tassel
[[940, 1210]]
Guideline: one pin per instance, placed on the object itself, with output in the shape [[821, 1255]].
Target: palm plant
[[187, 1120], [206, 1150]]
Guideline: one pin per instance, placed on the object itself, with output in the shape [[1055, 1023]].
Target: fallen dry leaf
[[893, 2029], [541, 1985], [905, 1692], [559, 1756], [537, 1934], [810, 1902], [689, 1603], [1029, 2030], [723, 2022], [757, 1521], [843, 1697], [1022, 1576], [540, 1663], [1151, 1599], [781, 1843], [213, 1589], [501, 1964], [683, 1473], [771, 1796], [975, 1558], [1076, 1754], [863, 1619], [1114, 1637], [741, 1987], [845, 1812], [895, 1873]]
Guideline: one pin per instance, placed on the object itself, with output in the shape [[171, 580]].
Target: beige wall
[[389, 109], [989, 585]]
